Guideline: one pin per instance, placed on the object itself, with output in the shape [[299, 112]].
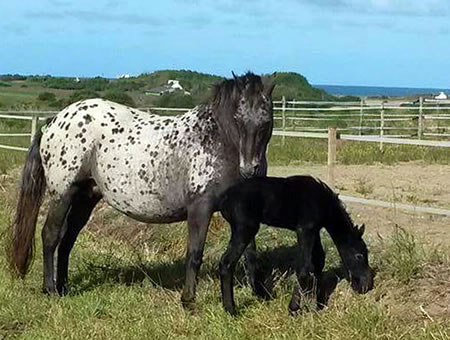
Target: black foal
[[305, 205]]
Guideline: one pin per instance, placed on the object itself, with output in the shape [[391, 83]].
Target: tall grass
[[128, 287]]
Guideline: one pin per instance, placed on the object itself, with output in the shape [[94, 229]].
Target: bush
[[82, 95], [175, 99], [119, 97], [46, 97]]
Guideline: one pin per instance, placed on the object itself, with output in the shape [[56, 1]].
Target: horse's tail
[[31, 192]]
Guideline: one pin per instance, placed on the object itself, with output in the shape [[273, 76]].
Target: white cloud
[[394, 7]]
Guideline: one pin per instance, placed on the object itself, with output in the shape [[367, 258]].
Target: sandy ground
[[411, 183]]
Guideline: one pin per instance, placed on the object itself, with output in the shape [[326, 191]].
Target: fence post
[[361, 113], [283, 115], [381, 125], [331, 155], [34, 121], [420, 121]]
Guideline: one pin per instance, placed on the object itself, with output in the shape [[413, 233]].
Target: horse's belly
[[147, 207], [147, 197]]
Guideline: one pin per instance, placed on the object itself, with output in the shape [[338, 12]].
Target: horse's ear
[[237, 81], [362, 229]]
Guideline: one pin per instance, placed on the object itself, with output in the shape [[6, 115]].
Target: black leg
[[241, 236], [199, 215], [254, 274], [318, 259], [80, 211], [305, 270], [51, 236]]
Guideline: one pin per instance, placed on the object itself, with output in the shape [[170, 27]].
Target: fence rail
[[332, 137], [382, 119]]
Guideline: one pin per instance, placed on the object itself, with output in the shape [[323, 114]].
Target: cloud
[[19, 30], [96, 16], [435, 8]]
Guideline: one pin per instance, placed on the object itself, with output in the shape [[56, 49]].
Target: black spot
[[87, 118], [83, 140], [80, 124]]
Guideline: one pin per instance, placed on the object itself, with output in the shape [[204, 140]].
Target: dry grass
[[126, 280]]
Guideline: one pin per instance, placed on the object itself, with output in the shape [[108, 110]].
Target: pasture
[[127, 276]]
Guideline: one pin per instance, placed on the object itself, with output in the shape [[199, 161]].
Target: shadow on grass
[[274, 265]]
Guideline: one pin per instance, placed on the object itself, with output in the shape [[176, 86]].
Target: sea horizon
[[370, 91]]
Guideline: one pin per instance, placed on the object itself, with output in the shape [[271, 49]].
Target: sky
[[343, 42]]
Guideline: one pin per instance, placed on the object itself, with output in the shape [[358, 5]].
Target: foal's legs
[[318, 260], [81, 208], [254, 274], [241, 236], [51, 235], [199, 215], [306, 270]]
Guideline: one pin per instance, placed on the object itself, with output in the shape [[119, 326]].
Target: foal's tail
[[32, 189]]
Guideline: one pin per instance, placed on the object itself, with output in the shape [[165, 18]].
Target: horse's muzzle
[[362, 284], [248, 172]]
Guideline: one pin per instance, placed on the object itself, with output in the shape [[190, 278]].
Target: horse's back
[[280, 202]]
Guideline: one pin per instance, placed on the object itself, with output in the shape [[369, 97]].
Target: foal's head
[[356, 262], [244, 112]]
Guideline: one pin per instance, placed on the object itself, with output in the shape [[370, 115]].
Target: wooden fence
[[420, 120], [330, 133]]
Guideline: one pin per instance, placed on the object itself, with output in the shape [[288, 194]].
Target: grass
[[126, 280], [304, 150]]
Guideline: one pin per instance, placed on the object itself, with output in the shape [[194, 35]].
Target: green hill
[[18, 91]]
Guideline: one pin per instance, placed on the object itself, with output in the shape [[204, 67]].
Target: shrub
[[82, 95], [46, 97], [119, 97]]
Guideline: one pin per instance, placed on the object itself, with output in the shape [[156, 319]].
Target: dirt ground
[[411, 183]]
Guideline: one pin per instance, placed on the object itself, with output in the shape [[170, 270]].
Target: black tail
[[32, 189]]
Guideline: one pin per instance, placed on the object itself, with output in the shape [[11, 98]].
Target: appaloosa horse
[[154, 169]]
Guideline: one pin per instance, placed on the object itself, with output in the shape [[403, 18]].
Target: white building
[[441, 96]]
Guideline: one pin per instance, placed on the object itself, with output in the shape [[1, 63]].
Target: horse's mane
[[227, 92], [225, 99]]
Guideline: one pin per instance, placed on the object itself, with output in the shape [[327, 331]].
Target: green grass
[[126, 283], [307, 150]]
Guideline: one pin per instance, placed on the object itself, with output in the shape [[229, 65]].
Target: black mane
[[225, 100], [227, 92]]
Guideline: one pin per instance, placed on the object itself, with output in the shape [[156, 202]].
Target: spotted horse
[[154, 169]]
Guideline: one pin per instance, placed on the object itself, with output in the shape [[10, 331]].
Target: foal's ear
[[362, 229]]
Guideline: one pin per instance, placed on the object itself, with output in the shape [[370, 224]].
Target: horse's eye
[[359, 257]]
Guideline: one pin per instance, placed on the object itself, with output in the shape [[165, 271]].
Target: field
[[126, 276]]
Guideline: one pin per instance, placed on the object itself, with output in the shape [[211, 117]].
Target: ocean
[[369, 91]]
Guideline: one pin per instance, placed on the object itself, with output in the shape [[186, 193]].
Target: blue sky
[[348, 42]]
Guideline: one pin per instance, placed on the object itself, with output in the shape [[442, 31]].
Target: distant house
[[171, 86], [123, 76], [441, 96]]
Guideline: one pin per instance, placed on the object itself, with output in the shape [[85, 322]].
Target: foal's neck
[[339, 225]]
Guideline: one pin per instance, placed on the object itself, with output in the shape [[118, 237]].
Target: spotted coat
[[146, 166]]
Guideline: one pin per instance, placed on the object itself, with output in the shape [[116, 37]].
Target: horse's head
[[354, 255], [244, 112]]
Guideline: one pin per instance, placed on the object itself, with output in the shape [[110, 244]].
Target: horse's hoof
[[262, 293], [188, 303], [231, 311], [63, 290], [50, 291]]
